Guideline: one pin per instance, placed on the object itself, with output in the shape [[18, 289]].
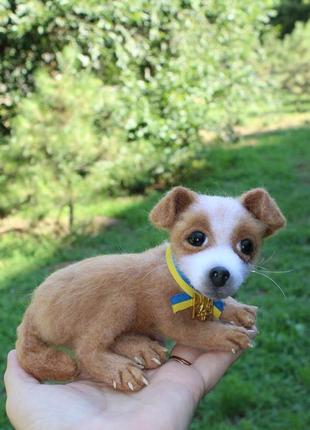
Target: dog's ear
[[264, 208], [167, 210]]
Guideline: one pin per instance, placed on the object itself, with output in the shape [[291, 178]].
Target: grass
[[267, 388]]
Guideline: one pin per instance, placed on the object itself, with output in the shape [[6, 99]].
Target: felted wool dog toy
[[109, 309]]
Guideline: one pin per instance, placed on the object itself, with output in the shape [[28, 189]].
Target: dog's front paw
[[236, 339], [243, 315], [246, 316]]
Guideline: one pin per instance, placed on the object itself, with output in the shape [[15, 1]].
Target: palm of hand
[[168, 402]]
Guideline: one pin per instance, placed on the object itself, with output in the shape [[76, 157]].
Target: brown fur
[[109, 309], [167, 211], [252, 229], [188, 222], [265, 209]]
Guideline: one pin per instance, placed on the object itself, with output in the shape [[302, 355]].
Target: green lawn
[[267, 388]]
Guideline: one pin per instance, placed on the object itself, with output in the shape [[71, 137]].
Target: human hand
[[167, 403]]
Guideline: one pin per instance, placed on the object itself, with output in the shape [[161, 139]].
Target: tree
[[165, 69], [288, 13], [55, 137], [135, 40], [289, 61]]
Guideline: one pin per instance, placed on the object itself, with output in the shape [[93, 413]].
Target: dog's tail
[[38, 358]]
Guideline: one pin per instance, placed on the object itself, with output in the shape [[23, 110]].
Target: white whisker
[[266, 259], [275, 271], [268, 277]]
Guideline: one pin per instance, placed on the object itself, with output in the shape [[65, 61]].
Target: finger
[[177, 376], [189, 354], [202, 375], [175, 391], [212, 366], [15, 377]]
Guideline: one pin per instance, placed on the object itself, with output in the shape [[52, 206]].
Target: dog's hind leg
[[38, 358], [96, 359]]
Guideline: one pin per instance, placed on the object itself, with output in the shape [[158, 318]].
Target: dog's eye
[[245, 246], [197, 238]]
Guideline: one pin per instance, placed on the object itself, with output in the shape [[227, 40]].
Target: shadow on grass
[[273, 161]]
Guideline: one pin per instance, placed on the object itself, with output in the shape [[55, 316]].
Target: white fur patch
[[223, 214], [198, 266]]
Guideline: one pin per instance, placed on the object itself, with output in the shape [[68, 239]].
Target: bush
[[55, 139], [288, 13], [289, 64], [169, 70]]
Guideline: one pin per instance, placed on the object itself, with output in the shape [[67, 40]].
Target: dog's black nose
[[219, 275]]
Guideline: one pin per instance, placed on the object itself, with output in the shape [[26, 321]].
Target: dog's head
[[215, 240]]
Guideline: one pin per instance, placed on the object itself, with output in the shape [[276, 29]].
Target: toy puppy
[[109, 309]]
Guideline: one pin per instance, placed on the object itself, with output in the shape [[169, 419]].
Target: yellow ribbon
[[203, 307]]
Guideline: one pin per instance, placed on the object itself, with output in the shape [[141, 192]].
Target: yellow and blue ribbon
[[185, 300]]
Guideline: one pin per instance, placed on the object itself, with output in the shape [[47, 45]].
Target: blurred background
[[106, 104]]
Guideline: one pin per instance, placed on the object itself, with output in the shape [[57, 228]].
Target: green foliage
[[202, 53], [268, 387], [288, 13], [55, 139], [152, 75], [289, 63]]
